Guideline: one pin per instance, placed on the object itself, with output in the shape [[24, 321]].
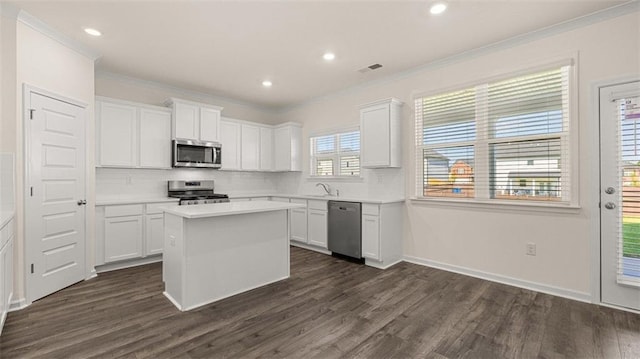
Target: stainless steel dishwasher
[[345, 228]]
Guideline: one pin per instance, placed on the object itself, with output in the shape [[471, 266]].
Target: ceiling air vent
[[370, 68]]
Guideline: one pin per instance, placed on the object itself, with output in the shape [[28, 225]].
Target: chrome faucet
[[325, 187]]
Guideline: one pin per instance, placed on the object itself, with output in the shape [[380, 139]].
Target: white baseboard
[[92, 274], [128, 264], [18, 304], [380, 265], [311, 248], [538, 287]]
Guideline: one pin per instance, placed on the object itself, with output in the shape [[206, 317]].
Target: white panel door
[[55, 214], [209, 124], [118, 134], [154, 233], [620, 194], [266, 149], [230, 140], [374, 130], [187, 121], [155, 139], [250, 148]]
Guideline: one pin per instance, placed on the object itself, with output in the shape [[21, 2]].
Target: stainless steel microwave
[[198, 154]]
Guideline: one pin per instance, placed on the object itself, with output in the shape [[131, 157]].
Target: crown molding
[[590, 19], [36, 24], [196, 95]]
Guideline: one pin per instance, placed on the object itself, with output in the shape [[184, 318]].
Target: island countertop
[[229, 208]]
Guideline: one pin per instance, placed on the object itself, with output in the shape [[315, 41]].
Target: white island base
[[218, 250]]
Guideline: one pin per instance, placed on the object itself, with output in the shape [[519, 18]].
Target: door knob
[[82, 202], [609, 205], [610, 190]]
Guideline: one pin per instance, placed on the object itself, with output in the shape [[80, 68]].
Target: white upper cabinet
[[230, 140], [209, 124], [132, 135], [288, 147], [117, 128], [195, 121], [250, 147], [380, 134], [155, 134], [266, 149]]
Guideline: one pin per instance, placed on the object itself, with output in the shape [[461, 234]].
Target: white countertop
[[229, 208], [107, 201], [5, 217], [361, 199]]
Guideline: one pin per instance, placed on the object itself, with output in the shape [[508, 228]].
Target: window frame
[[570, 202], [335, 156]]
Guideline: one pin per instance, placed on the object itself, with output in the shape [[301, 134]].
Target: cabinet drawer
[[318, 205], [300, 201], [124, 210], [155, 208], [371, 209]]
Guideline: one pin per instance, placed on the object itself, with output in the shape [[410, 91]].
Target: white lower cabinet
[[126, 232], [154, 233], [299, 222], [370, 236], [382, 234], [317, 223], [123, 238], [6, 270], [308, 224], [317, 233]]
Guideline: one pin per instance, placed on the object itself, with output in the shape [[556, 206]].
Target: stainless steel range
[[195, 192]]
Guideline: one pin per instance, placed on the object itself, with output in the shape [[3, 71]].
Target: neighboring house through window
[[507, 139], [336, 154]]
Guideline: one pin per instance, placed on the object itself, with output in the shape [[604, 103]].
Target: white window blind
[[628, 173], [506, 140], [336, 154]]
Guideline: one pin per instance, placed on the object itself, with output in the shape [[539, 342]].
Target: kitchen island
[[214, 251]]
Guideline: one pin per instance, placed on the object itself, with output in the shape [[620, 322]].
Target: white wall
[[489, 240], [47, 64], [151, 93]]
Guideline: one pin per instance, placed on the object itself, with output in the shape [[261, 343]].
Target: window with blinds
[[505, 140], [336, 154]]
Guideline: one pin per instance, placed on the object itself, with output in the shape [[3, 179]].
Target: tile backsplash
[[131, 183]]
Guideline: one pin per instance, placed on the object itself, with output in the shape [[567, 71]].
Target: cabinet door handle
[[82, 202]]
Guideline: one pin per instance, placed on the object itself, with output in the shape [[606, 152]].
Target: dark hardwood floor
[[328, 308]]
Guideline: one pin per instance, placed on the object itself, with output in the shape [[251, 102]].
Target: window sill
[[498, 205], [335, 179]]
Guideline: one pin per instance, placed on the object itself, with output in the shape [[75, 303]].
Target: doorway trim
[[593, 140], [27, 90]]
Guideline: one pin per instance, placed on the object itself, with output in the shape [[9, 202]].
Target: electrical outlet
[[128, 180], [531, 249]]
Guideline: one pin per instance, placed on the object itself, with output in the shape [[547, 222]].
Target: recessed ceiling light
[[267, 83], [92, 32], [438, 8], [329, 56]]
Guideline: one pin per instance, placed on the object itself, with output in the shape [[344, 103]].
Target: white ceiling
[[227, 48]]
